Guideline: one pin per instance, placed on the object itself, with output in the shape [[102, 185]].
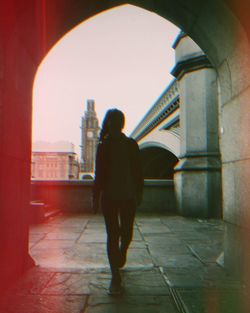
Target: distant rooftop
[[59, 146]]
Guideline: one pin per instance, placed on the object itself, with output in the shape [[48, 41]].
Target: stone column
[[198, 173]]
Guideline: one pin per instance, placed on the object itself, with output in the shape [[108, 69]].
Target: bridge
[[158, 134], [179, 135], [162, 118]]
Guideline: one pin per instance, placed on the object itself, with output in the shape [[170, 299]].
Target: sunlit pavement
[[173, 266]]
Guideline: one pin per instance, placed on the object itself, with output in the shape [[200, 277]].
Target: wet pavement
[[174, 265]]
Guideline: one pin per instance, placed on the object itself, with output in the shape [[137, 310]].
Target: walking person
[[118, 186]]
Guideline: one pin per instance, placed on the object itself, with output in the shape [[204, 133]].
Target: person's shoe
[[115, 288]]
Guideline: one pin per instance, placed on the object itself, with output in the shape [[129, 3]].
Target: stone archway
[[29, 29], [166, 139]]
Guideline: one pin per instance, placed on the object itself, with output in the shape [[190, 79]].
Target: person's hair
[[113, 122]]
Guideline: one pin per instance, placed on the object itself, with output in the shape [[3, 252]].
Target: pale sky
[[121, 58]]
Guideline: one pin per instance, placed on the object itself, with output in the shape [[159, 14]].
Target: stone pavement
[[172, 267]]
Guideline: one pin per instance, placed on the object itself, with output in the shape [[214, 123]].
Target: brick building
[[56, 161]]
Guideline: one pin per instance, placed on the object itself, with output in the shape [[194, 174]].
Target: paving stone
[[33, 282], [207, 253], [137, 235], [178, 261], [93, 230], [148, 219], [212, 300], [206, 276], [89, 254], [62, 235], [138, 257], [54, 228], [78, 284], [50, 244], [184, 276], [91, 237], [192, 236], [52, 258], [138, 244], [147, 282], [173, 218], [172, 258], [62, 228], [131, 304], [213, 237], [167, 247], [96, 222], [178, 224], [216, 276], [70, 223], [71, 258], [75, 270], [82, 249], [96, 300], [96, 227], [153, 229], [68, 284], [41, 229], [210, 223], [58, 219], [169, 256], [43, 304], [78, 220], [162, 239], [97, 218], [77, 257], [31, 245], [33, 238], [207, 227]]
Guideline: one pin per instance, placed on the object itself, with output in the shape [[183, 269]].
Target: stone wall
[[158, 196], [75, 196]]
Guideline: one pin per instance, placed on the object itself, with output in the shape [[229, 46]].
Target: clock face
[[90, 134]]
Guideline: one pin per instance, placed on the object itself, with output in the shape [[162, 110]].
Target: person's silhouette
[[119, 184]]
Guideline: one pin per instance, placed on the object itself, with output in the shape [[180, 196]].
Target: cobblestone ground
[[172, 267]]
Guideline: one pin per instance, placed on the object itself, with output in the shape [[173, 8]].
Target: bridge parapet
[[165, 105], [75, 196]]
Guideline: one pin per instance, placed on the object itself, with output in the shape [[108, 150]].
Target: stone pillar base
[[198, 186]]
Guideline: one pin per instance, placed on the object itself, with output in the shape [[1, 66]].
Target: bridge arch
[[153, 144], [164, 139], [157, 160]]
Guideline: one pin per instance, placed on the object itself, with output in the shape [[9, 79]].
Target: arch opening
[[158, 163], [115, 60]]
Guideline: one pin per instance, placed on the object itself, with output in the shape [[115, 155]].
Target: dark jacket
[[118, 174]]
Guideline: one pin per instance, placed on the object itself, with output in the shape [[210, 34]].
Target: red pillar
[[19, 55]]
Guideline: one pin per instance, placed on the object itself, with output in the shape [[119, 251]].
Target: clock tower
[[89, 138]]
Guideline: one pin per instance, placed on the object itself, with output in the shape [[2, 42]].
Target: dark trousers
[[119, 219]]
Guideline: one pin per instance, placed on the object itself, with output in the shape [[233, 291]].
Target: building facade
[[89, 138], [56, 161]]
